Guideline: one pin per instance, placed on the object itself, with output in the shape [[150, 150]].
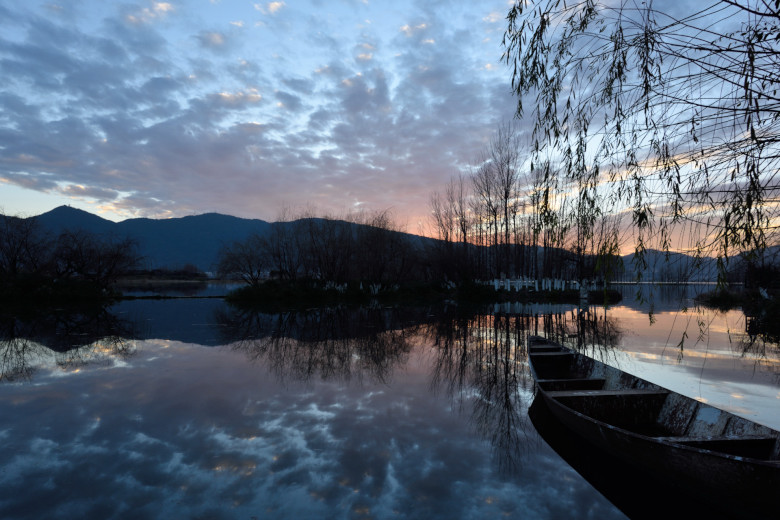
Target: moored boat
[[721, 458]]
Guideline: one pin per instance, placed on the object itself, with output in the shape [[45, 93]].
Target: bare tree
[[505, 155], [23, 248], [486, 205], [246, 259], [457, 199], [327, 246], [441, 214], [283, 248], [455, 221], [382, 253], [99, 260]]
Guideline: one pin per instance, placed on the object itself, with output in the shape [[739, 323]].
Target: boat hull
[[662, 434], [620, 482]]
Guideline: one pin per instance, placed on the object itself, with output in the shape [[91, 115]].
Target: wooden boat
[[719, 457], [618, 481]]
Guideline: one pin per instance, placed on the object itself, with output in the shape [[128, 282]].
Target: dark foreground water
[[188, 409]]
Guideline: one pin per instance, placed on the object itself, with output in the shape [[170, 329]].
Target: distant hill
[[197, 240], [168, 243], [66, 218], [677, 267], [671, 267]]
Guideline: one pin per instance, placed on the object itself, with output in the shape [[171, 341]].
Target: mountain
[[174, 242], [197, 240], [66, 218], [168, 243], [671, 267], [678, 267]]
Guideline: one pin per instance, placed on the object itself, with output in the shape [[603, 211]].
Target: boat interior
[[622, 400]]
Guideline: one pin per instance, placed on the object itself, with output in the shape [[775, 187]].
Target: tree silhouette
[[677, 117]]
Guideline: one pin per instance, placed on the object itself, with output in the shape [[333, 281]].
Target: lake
[[189, 408]]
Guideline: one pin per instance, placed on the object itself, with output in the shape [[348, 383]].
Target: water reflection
[[329, 343], [761, 339], [703, 353], [482, 360], [652, 298], [328, 413], [332, 417], [751, 332], [68, 338]]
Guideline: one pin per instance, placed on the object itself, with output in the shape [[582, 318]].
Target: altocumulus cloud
[[168, 108]]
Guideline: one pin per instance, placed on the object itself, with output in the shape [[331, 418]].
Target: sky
[[166, 109]]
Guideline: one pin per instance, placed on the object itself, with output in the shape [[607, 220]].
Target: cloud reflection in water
[[288, 425]]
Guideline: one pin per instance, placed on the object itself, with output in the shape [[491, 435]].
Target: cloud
[[494, 17], [365, 52], [270, 7], [33, 182], [212, 39], [274, 6], [289, 101], [409, 30], [238, 99], [78, 191], [310, 113], [55, 9], [300, 85], [149, 14]]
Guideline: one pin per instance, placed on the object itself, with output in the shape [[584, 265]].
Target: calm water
[[702, 353], [186, 408]]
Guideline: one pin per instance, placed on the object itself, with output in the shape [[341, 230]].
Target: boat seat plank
[[752, 446], [604, 393], [563, 384], [551, 354]]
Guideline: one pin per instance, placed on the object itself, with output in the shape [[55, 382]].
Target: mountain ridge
[[170, 243], [198, 239]]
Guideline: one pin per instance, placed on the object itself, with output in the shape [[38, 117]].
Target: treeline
[[511, 217], [36, 264], [364, 247], [505, 218]]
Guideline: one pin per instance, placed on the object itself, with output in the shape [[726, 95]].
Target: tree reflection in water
[[588, 329], [481, 358], [329, 343], [68, 338], [759, 342]]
